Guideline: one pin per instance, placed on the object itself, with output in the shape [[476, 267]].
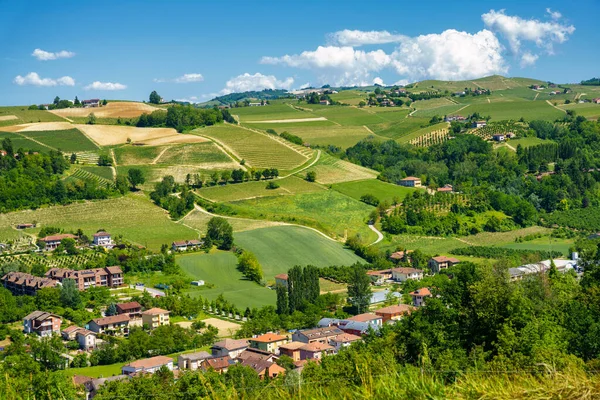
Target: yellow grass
[[175, 139], [122, 109], [38, 127], [8, 117], [107, 135]]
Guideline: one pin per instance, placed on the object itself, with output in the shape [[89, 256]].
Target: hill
[[494, 82], [266, 94]]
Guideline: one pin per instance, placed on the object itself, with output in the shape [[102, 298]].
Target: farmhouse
[[69, 333], [419, 296], [410, 181], [22, 283], [379, 277], [315, 351], [148, 365], [42, 323], [113, 324], [102, 239], [541, 267], [479, 124], [324, 102], [53, 241], [192, 361], [499, 137], [25, 226], [441, 262], [404, 274], [133, 309], [446, 189], [86, 339], [91, 103], [321, 335], [256, 104], [596, 100], [183, 245], [86, 278], [393, 313], [218, 364], [229, 347], [263, 368], [155, 317], [268, 342], [281, 280], [450, 118]]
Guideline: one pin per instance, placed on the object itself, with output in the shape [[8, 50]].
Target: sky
[[195, 50]]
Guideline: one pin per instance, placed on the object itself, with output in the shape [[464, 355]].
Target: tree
[[362, 103], [76, 102], [359, 289], [311, 176], [220, 232], [122, 184], [104, 102], [56, 100], [73, 158], [282, 300], [154, 97], [135, 177], [91, 119], [248, 264], [226, 176], [111, 309], [69, 294]]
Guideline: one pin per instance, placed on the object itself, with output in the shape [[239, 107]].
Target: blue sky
[[196, 50]]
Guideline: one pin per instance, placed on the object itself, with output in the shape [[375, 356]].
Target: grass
[[341, 136], [544, 243], [588, 110], [382, 190], [25, 116], [103, 172], [198, 221], [155, 173], [279, 248], [330, 170], [219, 268], [530, 110], [328, 286], [98, 371], [440, 111], [271, 112], [352, 97], [369, 116], [70, 140], [194, 154], [136, 155], [401, 128], [132, 216], [528, 142], [239, 191], [21, 142], [423, 131]]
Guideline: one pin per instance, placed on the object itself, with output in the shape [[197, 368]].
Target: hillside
[[494, 82]]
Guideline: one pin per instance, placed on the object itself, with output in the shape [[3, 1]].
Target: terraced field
[[83, 175], [247, 190], [333, 170], [440, 134], [87, 157], [20, 142]]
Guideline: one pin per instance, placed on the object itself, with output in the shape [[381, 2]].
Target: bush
[[369, 199], [272, 185], [292, 138]]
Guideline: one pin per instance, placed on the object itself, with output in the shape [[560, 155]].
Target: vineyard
[[431, 138], [500, 127], [83, 175], [437, 203], [49, 261], [87, 157]]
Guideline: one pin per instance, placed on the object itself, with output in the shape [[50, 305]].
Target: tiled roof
[[132, 305], [40, 316], [232, 344], [421, 292], [155, 311], [316, 346], [411, 178], [54, 238], [403, 270], [366, 317], [111, 320], [446, 259], [268, 338], [114, 269], [396, 309], [98, 234], [345, 338], [321, 332], [200, 355], [292, 346], [282, 276], [150, 362]]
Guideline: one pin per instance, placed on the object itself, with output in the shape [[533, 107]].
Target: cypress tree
[[282, 300]]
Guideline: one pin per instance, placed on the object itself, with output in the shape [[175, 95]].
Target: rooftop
[[446, 259], [316, 346], [155, 311], [231, 344], [403, 270], [132, 305], [200, 355], [268, 338], [421, 292], [411, 178], [396, 309], [366, 317], [345, 338], [114, 319], [150, 362]]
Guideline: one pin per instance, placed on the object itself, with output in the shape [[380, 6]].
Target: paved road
[[153, 292], [379, 234]]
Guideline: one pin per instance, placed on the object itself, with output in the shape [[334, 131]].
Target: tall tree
[[135, 177], [220, 232], [154, 97], [282, 300], [69, 294], [295, 288], [359, 289]]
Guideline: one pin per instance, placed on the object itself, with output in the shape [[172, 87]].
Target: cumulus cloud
[[378, 81], [516, 30], [185, 78], [34, 79], [528, 59], [554, 14], [355, 38], [191, 99], [97, 85], [46, 55], [247, 82]]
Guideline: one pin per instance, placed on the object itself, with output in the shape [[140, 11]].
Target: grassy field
[[447, 109], [257, 149], [71, 140], [25, 116], [341, 136], [275, 111], [239, 191], [219, 269], [21, 142], [369, 116], [98, 371], [544, 243], [104, 172], [588, 110], [423, 131], [382, 190], [155, 173], [401, 128], [530, 110], [132, 216], [201, 154], [528, 142], [494, 82], [330, 212], [352, 97], [137, 155], [333, 170], [198, 221], [280, 248]]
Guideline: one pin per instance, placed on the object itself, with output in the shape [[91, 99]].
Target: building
[[324, 102], [281, 279], [42, 323], [343, 340], [393, 313], [479, 124], [404, 274], [25, 226], [370, 318], [53, 241], [268, 342], [596, 100], [291, 350], [148, 365], [450, 118], [22, 283], [95, 384], [133, 309], [219, 364], [155, 317], [69, 333], [192, 361], [86, 339], [446, 189], [441, 262], [379, 277], [320, 335], [256, 353], [410, 181], [184, 245], [359, 328], [419, 296], [116, 324], [542, 267], [315, 351], [86, 278], [91, 103], [103, 239], [264, 369], [499, 137], [229, 347], [399, 255]]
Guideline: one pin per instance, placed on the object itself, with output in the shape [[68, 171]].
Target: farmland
[[332, 170], [25, 116], [382, 190], [71, 140], [198, 221], [530, 110], [123, 109], [107, 135], [341, 136]]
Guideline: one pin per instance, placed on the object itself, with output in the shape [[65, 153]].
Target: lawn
[[382, 190], [530, 110], [71, 140], [280, 248], [25, 116], [330, 170], [219, 269], [132, 216], [247, 190], [332, 213], [99, 371]]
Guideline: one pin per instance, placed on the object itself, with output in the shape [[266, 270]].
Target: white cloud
[[185, 78], [46, 55], [378, 81], [191, 99], [402, 82], [34, 79], [258, 81], [528, 59], [516, 30], [349, 37], [97, 85], [554, 14]]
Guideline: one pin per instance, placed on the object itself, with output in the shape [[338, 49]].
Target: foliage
[[154, 98], [292, 138], [249, 266], [522, 256], [135, 177], [359, 289], [220, 233]]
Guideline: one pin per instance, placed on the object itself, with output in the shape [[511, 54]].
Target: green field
[[219, 269], [352, 97], [274, 111], [21, 142], [201, 154], [132, 216], [136, 155], [528, 142], [369, 116], [401, 128], [25, 116], [588, 110], [442, 111], [544, 243], [198, 221], [330, 169], [494, 82], [70, 140], [382, 190], [103, 172], [530, 110], [323, 133], [238, 191], [423, 131]]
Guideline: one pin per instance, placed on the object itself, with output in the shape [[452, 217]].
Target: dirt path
[[379, 235], [488, 99], [510, 147], [462, 108], [304, 168], [114, 159], [225, 149], [464, 241], [536, 96], [558, 108], [368, 130], [160, 155]]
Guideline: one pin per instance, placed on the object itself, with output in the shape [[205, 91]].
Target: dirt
[[39, 126], [226, 328], [123, 109], [8, 117]]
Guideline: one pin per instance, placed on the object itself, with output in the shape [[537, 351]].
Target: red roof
[[399, 255], [316, 346], [394, 310], [98, 234], [441, 259], [411, 178], [282, 276], [421, 292], [150, 362], [54, 238], [111, 320], [366, 317], [155, 311], [407, 271], [132, 305], [268, 338]]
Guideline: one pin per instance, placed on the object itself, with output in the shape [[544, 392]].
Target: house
[[410, 181], [543, 266], [291, 350], [321, 335], [450, 118], [399, 255], [192, 361], [596, 100], [133, 309], [324, 102], [86, 339], [343, 340], [386, 103], [499, 137], [419, 296], [198, 283], [315, 351], [25, 226], [479, 124], [69, 333], [86, 278], [370, 318], [92, 387], [446, 189], [103, 239], [113, 324], [393, 313], [359, 328], [268, 342], [155, 317], [404, 274], [22, 283], [441, 262], [264, 369], [256, 353], [379, 277], [536, 87], [256, 104], [458, 94], [53, 241], [43, 323], [510, 135], [357, 325], [147, 365], [219, 364], [184, 245], [281, 280], [91, 103], [229, 347]]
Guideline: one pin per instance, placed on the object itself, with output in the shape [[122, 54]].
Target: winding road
[[379, 234]]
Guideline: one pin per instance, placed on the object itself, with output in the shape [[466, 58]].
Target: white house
[[419, 296], [103, 239], [86, 339], [404, 274], [192, 361], [91, 103]]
